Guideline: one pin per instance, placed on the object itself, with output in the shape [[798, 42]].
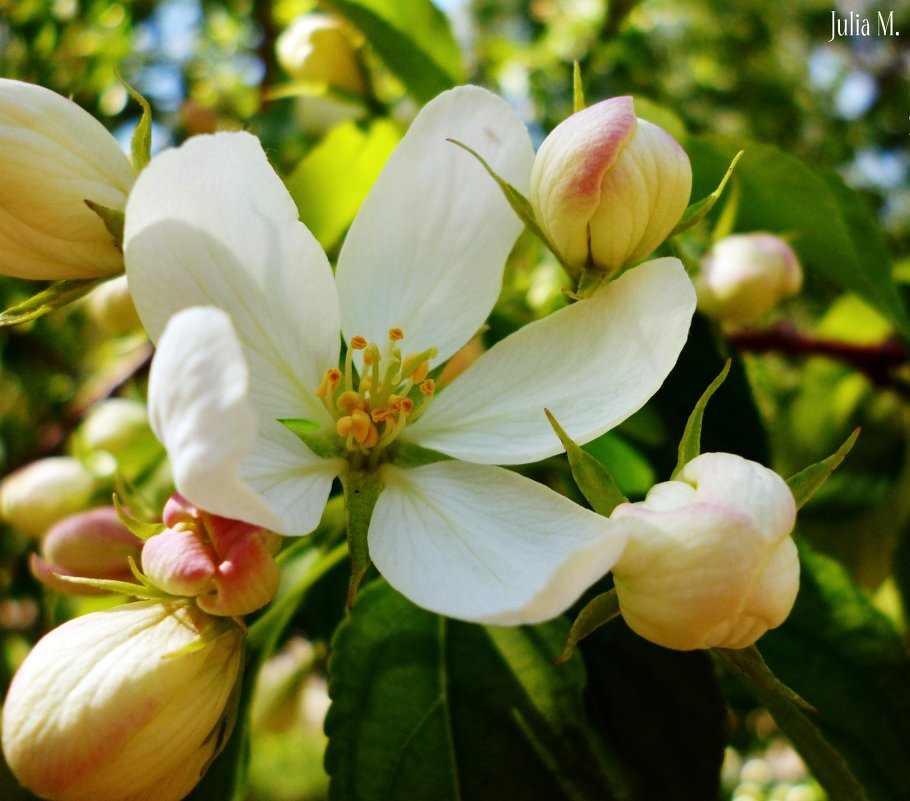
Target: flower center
[[372, 408]]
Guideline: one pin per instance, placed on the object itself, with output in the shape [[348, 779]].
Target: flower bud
[[709, 562], [226, 565], [53, 157], [38, 495], [127, 704], [92, 544], [746, 275], [111, 306], [316, 48], [120, 427], [607, 188]]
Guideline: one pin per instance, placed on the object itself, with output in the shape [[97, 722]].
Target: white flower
[[53, 157], [710, 562], [127, 704], [211, 225]]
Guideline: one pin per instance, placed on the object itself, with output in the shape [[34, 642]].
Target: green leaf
[[428, 708], [595, 483], [806, 482], [825, 763], [845, 658], [331, 181], [632, 472], [698, 211], [833, 231], [413, 38], [598, 611], [660, 712], [138, 527], [57, 295], [141, 144], [690, 444], [519, 203]]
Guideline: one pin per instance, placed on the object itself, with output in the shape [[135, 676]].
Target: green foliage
[[690, 444], [428, 707], [57, 295]]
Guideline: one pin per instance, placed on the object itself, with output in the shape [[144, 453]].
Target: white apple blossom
[[214, 246]]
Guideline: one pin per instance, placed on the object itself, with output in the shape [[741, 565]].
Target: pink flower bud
[[226, 565], [710, 562], [607, 188], [92, 544], [128, 704], [746, 275]]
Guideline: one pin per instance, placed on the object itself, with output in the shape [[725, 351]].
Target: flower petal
[[592, 364], [211, 224], [483, 544], [427, 250], [200, 410]]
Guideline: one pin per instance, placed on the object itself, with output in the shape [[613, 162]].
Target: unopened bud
[[38, 495], [746, 275], [607, 188], [317, 49], [228, 566], [128, 703], [53, 157], [710, 562], [91, 544], [120, 427], [111, 306]]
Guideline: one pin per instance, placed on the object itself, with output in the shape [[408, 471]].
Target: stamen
[[396, 334], [350, 400], [428, 387], [329, 383], [359, 343]]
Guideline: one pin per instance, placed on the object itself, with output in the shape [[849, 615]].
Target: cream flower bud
[[123, 705], [91, 544], [111, 307], [607, 188], [53, 157], [710, 562], [226, 565], [38, 495], [316, 48], [746, 275], [116, 425]]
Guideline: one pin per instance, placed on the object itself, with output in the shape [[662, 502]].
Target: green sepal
[[144, 591], [361, 490], [519, 203], [593, 479], [407, 454], [698, 211], [809, 480], [578, 92], [57, 295], [217, 627], [690, 444], [327, 445], [112, 219], [137, 527], [141, 144], [789, 711], [600, 610]]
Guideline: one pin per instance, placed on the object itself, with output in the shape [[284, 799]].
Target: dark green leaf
[[698, 211], [595, 483], [690, 444], [833, 231], [57, 295], [413, 38], [846, 659], [428, 708], [806, 482]]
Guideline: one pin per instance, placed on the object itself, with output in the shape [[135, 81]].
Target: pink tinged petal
[[483, 544], [200, 410], [210, 223], [427, 250], [179, 562], [569, 168], [592, 364], [53, 156], [247, 577]]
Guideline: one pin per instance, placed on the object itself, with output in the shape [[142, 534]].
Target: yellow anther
[[396, 334], [415, 367], [366, 383], [371, 438], [367, 358], [358, 343], [400, 404], [345, 426], [329, 383], [428, 387], [357, 425], [381, 415], [349, 401]]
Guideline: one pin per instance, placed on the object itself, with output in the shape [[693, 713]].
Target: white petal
[[592, 364], [211, 224], [483, 544], [427, 250], [200, 410]]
